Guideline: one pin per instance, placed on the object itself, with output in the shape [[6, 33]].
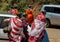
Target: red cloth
[[11, 11], [17, 30], [41, 18]]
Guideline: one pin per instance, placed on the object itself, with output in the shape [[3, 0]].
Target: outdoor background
[[22, 5]]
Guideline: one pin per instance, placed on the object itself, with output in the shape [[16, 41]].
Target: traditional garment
[[11, 11], [16, 30], [30, 16], [15, 11], [38, 26]]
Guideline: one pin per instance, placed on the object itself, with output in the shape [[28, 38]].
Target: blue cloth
[[45, 39]]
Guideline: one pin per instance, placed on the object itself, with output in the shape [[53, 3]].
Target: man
[[16, 26], [37, 29]]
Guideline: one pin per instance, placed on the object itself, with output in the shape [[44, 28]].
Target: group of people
[[13, 10], [27, 29]]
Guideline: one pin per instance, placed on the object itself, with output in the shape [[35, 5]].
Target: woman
[[37, 29], [16, 26]]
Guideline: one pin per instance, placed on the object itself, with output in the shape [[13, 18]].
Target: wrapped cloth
[[37, 28], [17, 30]]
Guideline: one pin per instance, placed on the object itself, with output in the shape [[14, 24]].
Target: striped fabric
[[11, 11], [17, 30], [41, 17], [37, 27]]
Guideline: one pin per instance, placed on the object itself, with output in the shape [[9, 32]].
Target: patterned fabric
[[11, 11], [41, 17], [37, 28], [17, 30]]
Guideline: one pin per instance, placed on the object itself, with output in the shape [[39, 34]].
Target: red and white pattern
[[17, 29], [37, 27], [11, 11]]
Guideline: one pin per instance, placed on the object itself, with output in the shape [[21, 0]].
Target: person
[[37, 28], [16, 26], [24, 20], [46, 38], [11, 10], [30, 15], [15, 10]]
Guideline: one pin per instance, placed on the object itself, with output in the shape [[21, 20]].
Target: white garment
[[39, 27]]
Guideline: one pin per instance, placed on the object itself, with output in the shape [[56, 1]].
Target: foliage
[[23, 4]]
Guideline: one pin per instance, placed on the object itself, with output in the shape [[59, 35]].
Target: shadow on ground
[[3, 39], [54, 26]]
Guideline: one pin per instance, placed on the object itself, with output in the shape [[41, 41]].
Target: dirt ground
[[53, 33]]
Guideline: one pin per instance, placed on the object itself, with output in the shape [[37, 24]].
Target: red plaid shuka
[[11, 11], [37, 28], [17, 30]]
